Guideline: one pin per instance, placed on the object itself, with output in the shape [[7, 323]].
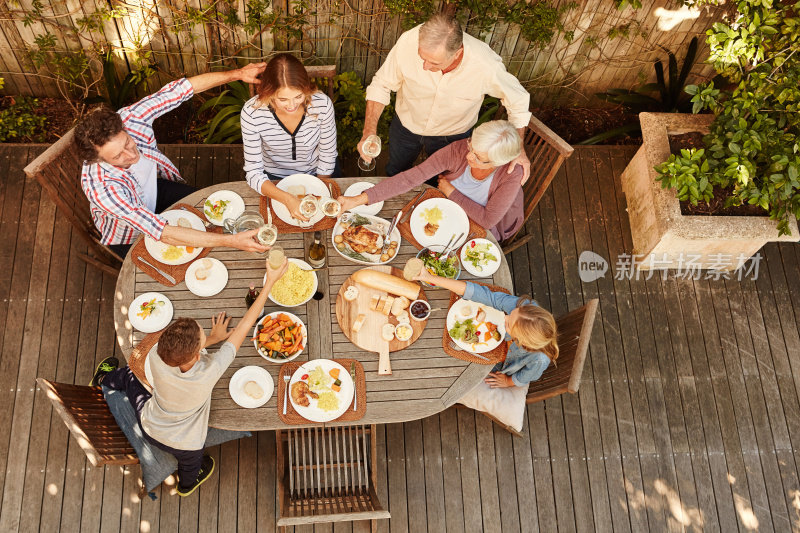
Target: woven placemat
[[491, 357], [405, 225], [293, 418], [139, 354], [176, 271], [325, 223]]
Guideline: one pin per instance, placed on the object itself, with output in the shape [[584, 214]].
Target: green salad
[[447, 268], [479, 254], [216, 209], [465, 331]]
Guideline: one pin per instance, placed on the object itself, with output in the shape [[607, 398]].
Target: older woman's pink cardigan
[[503, 214]]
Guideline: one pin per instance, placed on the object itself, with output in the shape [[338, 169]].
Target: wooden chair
[[85, 413], [547, 151], [324, 75], [574, 333], [327, 475], [58, 171]]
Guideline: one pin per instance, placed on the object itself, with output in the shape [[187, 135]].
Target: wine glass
[[268, 234], [371, 148], [276, 257]]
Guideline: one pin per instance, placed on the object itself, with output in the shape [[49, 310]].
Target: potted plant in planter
[[749, 159]]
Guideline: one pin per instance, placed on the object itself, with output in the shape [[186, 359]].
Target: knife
[[416, 201], [353, 375], [388, 236], [164, 274]]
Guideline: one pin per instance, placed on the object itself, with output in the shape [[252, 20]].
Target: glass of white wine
[[371, 148], [268, 234], [276, 257]]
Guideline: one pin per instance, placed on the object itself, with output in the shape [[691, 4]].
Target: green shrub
[[754, 142], [19, 121]]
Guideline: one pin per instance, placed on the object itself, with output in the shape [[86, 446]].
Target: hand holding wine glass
[[369, 148]]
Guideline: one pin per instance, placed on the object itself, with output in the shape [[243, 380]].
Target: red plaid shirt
[[115, 198]]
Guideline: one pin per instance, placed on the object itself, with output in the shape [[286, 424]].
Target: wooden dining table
[[424, 380]]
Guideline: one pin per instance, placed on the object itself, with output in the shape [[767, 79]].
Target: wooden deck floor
[[687, 418]]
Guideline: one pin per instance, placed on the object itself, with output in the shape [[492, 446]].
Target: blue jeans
[[405, 146], [189, 461]]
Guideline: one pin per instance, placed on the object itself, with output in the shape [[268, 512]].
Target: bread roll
[[296, 190], [413, 268], [360, 319], [374, 301], [351, 293], [254, 390], [387, 332], [386, 282], [387, 305]]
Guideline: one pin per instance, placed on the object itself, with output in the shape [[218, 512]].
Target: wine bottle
[[316, 252], [250, 297]]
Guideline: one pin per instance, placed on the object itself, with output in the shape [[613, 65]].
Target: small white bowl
[[428, 314], [403, 327]]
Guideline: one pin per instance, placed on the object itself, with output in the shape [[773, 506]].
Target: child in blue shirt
[[531, 329]]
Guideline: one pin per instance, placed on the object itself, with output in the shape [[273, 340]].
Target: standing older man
[[441, 76], [128, 180]]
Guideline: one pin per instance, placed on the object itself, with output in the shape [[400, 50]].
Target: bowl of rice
[[297, 285]]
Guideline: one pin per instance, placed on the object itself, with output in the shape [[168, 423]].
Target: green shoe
[[205, 472], [107, 365]]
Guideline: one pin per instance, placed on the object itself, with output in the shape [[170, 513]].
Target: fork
[[285, 391]]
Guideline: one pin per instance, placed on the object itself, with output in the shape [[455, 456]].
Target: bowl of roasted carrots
[[280, 337]]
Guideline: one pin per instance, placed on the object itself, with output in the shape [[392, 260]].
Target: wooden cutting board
[[369, 336]]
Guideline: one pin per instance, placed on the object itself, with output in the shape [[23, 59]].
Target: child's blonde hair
[[535, 329]]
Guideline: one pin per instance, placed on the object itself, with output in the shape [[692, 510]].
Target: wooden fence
[[608, 47]]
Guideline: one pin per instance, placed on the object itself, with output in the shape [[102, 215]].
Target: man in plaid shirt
[[128, 180]]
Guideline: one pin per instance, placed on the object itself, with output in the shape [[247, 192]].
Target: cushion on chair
[[505, 404], [157, 465]]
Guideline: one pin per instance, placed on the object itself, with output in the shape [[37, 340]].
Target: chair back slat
[[325, 73], [574, 333], [58, 171], [85, 413], [547, 152], [329, 473]]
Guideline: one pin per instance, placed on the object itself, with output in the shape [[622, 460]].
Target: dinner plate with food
[[356, 189], [321, 390], [280, 337], [170, 254], [360, 238], [481, 257], [297, 285], [302, 186], [436, 220], [475, 327], [150, 312], [206, 277], [438, 264], [251, 386], [221, 205]]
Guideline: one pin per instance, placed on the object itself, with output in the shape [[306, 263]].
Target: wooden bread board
[[369, 336]]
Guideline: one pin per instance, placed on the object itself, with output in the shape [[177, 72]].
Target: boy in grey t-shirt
[[174, 417]]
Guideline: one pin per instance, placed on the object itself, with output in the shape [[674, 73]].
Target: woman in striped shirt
[[287, 128]]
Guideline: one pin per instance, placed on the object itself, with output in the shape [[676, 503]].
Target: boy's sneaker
[[106, 366], [206, 470]]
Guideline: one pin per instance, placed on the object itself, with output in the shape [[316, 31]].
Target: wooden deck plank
[[715, 363]]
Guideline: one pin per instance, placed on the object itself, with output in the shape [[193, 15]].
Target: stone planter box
[[664, 238]]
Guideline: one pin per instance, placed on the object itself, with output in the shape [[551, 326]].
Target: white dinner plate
[[157, 320], [345, 395], [233, 210], [303, 331], [377, 224], [356, 189], [213, 284], [156, 248], [485, 268], [313, 185], [492, 315], [250, 373], [454, 221], [305, 266]]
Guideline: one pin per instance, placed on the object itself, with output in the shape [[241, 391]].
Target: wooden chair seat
[[85, 413], [327, 475]]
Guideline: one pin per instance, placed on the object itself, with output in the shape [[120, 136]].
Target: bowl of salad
[[481, 257], [439, 265]]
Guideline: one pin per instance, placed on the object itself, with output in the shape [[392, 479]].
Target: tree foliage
[[753, 144]]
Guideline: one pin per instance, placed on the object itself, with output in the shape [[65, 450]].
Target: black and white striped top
[[268, 145]]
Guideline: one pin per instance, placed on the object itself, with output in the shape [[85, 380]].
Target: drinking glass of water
[[371, 148]]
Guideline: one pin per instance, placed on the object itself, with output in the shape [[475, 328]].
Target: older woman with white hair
[[474, 173]]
